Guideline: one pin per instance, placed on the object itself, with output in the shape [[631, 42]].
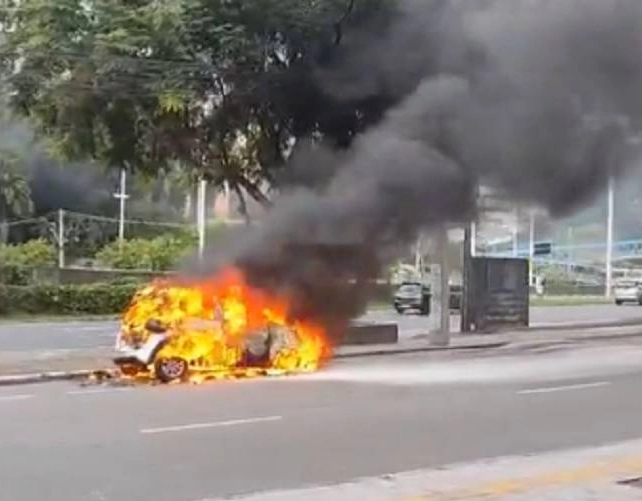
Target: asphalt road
[[83, 334], [62, 442]]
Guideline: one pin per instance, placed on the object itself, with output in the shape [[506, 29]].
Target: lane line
[[215, 424], [571, 387], [11, 398], [97, 391]]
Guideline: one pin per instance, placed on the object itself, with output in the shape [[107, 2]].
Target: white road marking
[[97, 391], [11, 398], [216, 424], [571, 387]]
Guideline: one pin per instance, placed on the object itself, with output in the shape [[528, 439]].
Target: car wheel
[[425, 309], [399, 310], [618, 302], [171, 369]]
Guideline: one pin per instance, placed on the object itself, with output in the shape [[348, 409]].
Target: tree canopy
[[221, 87]]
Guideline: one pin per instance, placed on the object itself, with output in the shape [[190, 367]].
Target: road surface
[[62, 442], [87, 334]]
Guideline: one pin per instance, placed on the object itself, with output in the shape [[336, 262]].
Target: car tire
[[171, 369], [399, 310], [425, 309], [619, 302]]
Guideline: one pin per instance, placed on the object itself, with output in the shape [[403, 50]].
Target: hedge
[[18, 262], [94, 299], [158, 254]]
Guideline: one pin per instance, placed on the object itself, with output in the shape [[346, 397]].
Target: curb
[[606, 337], [571, 326], [420, 349], [46, 377]]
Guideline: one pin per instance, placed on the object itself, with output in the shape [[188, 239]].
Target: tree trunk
[[4, 231], [4, 223], [187, 211]]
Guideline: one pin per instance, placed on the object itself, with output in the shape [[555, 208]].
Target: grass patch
[[569, 300], [535, 301], [19, 318]]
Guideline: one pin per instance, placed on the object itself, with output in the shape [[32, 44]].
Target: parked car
[[628, 291], [412, 296], [416, 296]]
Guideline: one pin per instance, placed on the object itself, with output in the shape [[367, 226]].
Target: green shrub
[[18, 262], [159, 254], [94, 299]]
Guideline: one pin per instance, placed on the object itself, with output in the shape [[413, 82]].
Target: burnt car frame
[[257, 351]]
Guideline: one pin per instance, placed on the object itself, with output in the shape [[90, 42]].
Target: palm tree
[[15, 195]]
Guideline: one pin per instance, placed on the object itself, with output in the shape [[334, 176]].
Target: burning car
[[220, 327]]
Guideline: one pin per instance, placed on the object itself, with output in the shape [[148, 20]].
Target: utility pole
[[469, 252], [464, 325], [569, 249], [61, 238], [440, 289], [531, 246], [609, 236], [226, 188], [201, 219], [515, 231], [418, 259], [445, 289], [122, 197]]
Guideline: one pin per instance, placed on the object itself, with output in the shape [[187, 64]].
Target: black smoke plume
[[538, 98]]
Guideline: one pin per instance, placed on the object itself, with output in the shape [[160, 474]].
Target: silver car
[[628, 291]]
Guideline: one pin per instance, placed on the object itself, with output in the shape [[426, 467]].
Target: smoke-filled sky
[[535, 97]]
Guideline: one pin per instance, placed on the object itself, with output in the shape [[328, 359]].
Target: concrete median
[[362, 333]]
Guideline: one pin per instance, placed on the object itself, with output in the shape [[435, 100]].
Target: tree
[[222, 86], [15, 195]]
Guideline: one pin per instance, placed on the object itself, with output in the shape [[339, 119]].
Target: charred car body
[[220, 327], [257, 349]]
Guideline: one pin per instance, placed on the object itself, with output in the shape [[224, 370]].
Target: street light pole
[[609, 236], [515, 232], [122, 197], [202, 215], [61, 238], [531, 246]]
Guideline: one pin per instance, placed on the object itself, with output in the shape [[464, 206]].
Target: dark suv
[[412, 296], [416, 296]]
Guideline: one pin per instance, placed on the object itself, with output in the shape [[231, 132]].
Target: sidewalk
[[33, 363], [604, 474]]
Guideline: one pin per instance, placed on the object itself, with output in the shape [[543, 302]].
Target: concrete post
[[531, 246], [440, 289]]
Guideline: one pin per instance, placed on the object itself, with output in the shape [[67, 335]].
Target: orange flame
[[212, 324]]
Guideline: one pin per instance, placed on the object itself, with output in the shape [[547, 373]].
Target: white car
[[259, 349], [628, 291]]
